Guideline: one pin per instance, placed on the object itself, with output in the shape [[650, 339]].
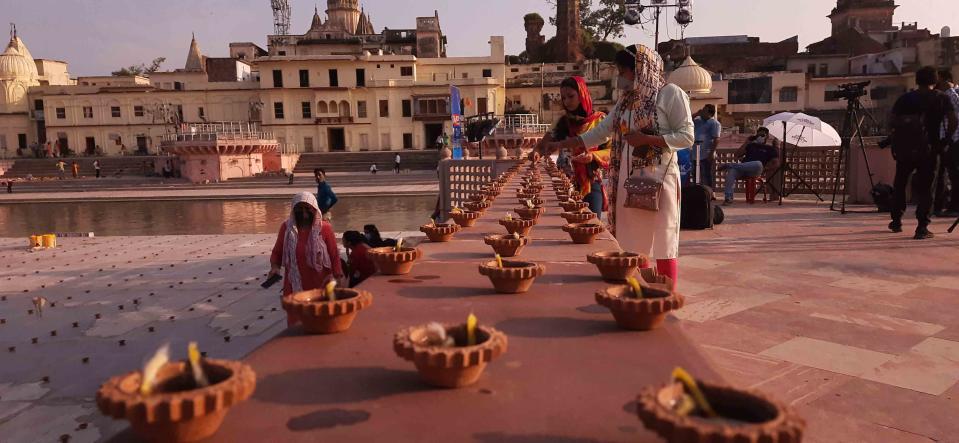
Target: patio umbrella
[[800, 130]]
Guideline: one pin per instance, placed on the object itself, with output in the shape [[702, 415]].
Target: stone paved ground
[[854, 326]]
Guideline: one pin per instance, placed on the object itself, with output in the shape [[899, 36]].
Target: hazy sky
[[97, 36]]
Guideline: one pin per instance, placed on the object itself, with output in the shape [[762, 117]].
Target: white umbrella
[[802, 130]]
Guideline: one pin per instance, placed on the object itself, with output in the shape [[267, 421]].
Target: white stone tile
[[691, 288], [873, 285], [931, 367], [882, 322], [22, 392], [731, 301], [48, 423], [828, 356]]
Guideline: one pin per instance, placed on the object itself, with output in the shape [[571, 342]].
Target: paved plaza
[[854, 326]]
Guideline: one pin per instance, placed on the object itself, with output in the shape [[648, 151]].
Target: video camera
[[852, 91]]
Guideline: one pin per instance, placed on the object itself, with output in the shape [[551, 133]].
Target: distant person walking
[[325, 197], [75, 168], [396, 164], [61, 168], [373, 169], [96, 167], [439, 142]]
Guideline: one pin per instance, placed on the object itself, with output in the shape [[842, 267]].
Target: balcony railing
[[521, 124], [216, 136]]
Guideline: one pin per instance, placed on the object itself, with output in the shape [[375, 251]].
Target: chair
[[751, 184]]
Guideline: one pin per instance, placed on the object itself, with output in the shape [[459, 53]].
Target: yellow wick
[[193, 353], [330, 290], [634, 284], [509, 216], [432, 223], [680, 374], [152, 367], [471, 330], [499, 261], [456, 210], [529, 204], [399, 245]]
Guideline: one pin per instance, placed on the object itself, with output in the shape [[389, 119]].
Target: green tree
[[140, 69], [605, 22]]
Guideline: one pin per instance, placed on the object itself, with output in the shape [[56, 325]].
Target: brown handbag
[[642, 191]]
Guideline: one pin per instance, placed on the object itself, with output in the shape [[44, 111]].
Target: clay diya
[[454, 364], [177, 410], [530, 213], [390, 261], [522, 226], [480, 197], [465, 219], [640, 309], [583, 233], [523, 196], [440, 233], [513, 277], [477, 206], [734, 415], [507, 245], [617, 266], [571, 206], [581, 216], [319, 315]]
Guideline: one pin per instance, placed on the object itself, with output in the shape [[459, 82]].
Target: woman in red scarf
[[589, 164]]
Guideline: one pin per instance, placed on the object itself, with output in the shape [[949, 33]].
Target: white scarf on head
[[317, 256]]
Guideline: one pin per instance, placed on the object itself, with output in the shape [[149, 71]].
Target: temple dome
[[692, 78], [16, 63]]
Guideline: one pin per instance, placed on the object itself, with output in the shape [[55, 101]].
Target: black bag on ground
[[882, 197], [697, 210]]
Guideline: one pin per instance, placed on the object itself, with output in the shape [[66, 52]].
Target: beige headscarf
[[317, 256]]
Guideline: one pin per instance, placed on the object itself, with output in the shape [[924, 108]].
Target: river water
[[204, 217]]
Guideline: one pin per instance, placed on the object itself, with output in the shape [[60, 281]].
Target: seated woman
[[758, 156], [306, 250], [360, 267], [374, 239], [588, 164]]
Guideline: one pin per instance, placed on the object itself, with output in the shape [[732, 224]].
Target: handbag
[[642, 192]]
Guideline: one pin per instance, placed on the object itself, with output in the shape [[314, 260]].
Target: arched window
[[321, 108], [344, 109], [333, 108]]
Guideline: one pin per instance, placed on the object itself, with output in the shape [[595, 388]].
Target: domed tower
[[343, 14], [18, 72]]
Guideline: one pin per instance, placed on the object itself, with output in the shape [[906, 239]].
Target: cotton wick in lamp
[[635, 287], [330, 290], [436, 336], [152, 367], [516, 235], [680, 375], [471, 329], [193, 353], [529, 204], [399, 245], [432, 223], [499, 261], [456, 210]]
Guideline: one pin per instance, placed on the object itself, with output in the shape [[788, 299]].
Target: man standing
[[61, 167], [916, 122], [325, 197], [76, 169], [439, 142], [707, 132], [947, 200], [96, 167], [396, 164], [756, 156]]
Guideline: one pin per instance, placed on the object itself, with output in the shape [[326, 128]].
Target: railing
[[817, 166], [459, 179], [521, 124], [288, 148], [216, 136]]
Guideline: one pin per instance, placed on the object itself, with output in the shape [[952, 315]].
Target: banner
[[457, 117]]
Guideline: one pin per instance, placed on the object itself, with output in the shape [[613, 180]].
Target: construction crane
[[281, 17]]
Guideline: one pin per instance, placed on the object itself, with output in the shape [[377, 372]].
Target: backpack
[[882, 197], [910, 139]]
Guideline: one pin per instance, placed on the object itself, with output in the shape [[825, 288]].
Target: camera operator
[[916, 121], [949, 160]]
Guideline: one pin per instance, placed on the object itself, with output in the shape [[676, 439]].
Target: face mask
[[624, 84], [303, 218], [761, 139]]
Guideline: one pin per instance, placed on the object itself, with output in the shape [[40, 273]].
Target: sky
[[98, 36]]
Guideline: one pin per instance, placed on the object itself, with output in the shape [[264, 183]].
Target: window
[[282, 53], [304, 78], [823, 69], [22, 141], [87, 112], [361, 109], [384, 108], [177, 86], [482, 104], [334, 78], [360, 78], [560, 68], [514, 70], [308, 144], [201, 113], [38, 105], [487, 73], [811, 69], [535, 69], [138, 111], [406, 71], [831, 96], [407, 108], [547, 101], [466, 75], [750, 91], [407, 141], [278, 110], [789, 94], [277, 78], [307, 109], [385, 141], [61, 113]]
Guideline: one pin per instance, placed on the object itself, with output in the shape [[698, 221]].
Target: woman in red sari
[[589, 164], [306, 250]]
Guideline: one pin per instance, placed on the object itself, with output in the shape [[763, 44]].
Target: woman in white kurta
[[648, 106]]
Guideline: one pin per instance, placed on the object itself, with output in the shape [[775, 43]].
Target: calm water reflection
[[203, 217]]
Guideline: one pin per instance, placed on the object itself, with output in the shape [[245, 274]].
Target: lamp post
[[636, 8]]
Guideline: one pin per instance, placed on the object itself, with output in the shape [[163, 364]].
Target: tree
[[603, 23], [140, 69]]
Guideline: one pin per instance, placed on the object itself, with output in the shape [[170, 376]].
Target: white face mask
[[761, 139], [624, 84]]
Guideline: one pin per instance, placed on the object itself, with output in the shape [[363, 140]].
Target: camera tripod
[[856, 113]]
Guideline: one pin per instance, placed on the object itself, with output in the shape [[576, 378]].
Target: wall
[[200, 168]]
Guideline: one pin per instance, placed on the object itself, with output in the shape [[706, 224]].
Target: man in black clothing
[[947, 198], [917, 119]]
